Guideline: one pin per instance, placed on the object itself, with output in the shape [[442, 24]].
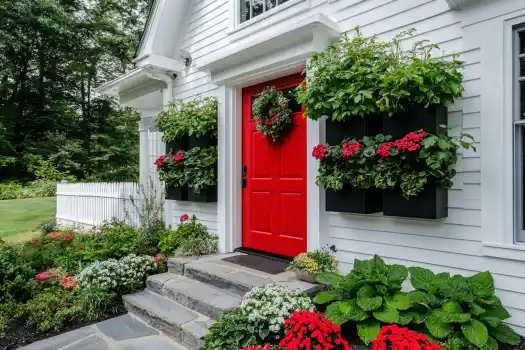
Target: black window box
[[174, 146], [354, 200], [207, 196], [203, 141], [416, 117], [177, 193], [354, 127], [431, 203]]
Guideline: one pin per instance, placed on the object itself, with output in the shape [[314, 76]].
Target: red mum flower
[[395, 337], [184, 218], [319, 151]]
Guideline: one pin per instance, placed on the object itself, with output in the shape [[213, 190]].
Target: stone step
[[195, 295], [238, 282], [183, 325]]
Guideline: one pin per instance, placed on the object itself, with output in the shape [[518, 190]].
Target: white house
[[223, 48]]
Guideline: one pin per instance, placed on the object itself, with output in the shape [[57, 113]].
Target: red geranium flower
[[310, 330], [319, 151], [350, 149], [179, 157], [68, 283], [161, 161], [47, 277], [384, 149], [184, 218], [68, 236], [395, 337]]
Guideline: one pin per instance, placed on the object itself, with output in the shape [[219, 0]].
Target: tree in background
[[53, 53]]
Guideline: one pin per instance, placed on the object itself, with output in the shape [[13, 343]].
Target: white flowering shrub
[[122, 276], [268, 307]]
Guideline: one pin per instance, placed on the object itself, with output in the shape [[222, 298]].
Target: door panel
[[274, 199]]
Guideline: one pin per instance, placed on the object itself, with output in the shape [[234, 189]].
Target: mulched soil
[[19, 334]]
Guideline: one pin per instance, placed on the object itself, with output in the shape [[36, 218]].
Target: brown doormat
[[261, 263]]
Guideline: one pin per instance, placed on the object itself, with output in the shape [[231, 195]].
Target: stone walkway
[[120, 333]]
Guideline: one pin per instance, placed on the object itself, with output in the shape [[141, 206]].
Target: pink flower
[[55, 234], [179, 157], [68, 236], [184, 218], [68, 283], [350, 149], [319, 151]]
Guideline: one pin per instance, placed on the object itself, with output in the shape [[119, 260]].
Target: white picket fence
[[88, 205]]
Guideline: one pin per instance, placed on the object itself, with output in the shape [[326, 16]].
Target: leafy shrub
[[35, 189], [189, 239], [316, 262], [52, 309], [196, 117], [268, 307], [16, 275], [395, 337], [368, 295], [307, 329], [463, 311], [123, 276]]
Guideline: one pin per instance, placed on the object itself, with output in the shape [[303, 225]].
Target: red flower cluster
[[68, 236], [393, 337], [319, 151], [161, 161], [410, 142], [265, 347], [48, 277], [179, 157], [68, 283], [350, 149], [184, 218], [55, 234], [312, 331]]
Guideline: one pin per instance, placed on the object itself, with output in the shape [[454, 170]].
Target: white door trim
[[230, 81]]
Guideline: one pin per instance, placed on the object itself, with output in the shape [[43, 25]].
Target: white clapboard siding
[[91, 204]]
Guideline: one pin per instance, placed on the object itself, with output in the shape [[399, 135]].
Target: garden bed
[[18, 334]]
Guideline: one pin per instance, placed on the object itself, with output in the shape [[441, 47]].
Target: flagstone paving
[[120, 333]]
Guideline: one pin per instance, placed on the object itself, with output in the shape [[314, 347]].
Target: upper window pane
[[253, 8], [522, 100], [522, 42]]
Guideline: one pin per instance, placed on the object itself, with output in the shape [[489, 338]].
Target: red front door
[[274, 197]]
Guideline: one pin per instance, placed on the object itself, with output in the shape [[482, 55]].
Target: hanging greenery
[[187, 118], [272, 113]]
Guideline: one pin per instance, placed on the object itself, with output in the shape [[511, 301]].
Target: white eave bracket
[[314, 28]]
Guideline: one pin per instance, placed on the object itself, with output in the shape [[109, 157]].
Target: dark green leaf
[[368, 330], [328, 278], [367, 298], [482, 284], [386, 314], [422, 278], [476, 332], [325, 297], [335, 313], [399, 301], [436, 327], [505, 334]]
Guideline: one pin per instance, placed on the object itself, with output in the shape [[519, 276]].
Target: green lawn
[[18, 217]]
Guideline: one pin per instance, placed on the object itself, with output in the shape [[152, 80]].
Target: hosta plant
[[461, 311], [369, 295], [195, 117]]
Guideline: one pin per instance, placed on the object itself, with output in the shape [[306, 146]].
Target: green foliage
[[368, 295], [181, 118], [346, 78], [196, 168], [362, 76], [52, 309], [52, 55], [35, 189], [230, 331], [191, 238], [95, 302], [462, 311], [16, 275]]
